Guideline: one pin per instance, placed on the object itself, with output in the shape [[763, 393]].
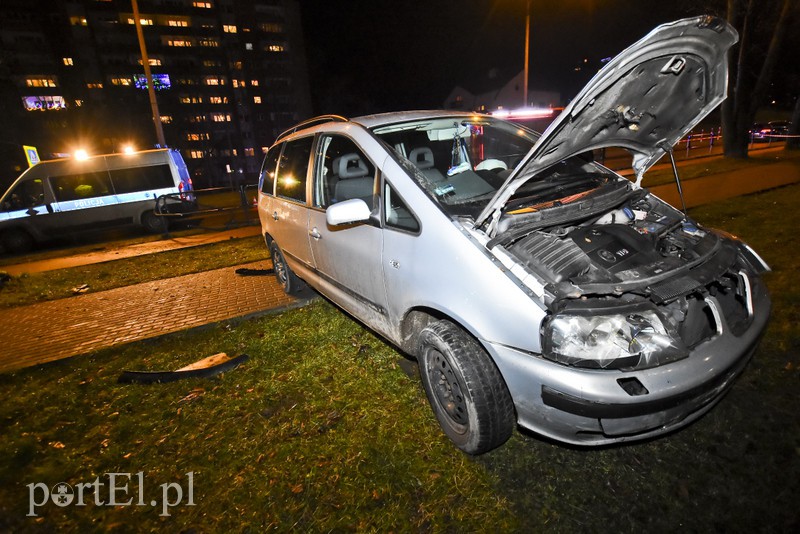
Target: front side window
[[290, 181], [342, 172], [397, 213], [26, 195]]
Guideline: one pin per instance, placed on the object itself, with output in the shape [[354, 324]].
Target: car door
[[348, 259], [288, 208], [85, 200]]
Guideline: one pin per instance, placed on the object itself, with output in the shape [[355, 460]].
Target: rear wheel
[[465, 389], [289, 281], [16, 241]]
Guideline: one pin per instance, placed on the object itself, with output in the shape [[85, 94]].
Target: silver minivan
[[534, 286], [64, 196]]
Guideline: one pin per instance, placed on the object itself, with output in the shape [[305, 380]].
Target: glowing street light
[[128, 149], [81, 154], [527, 53]]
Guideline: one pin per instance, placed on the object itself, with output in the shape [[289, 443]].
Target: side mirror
[[347, 212]]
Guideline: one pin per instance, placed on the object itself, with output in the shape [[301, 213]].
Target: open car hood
[[645, 100]]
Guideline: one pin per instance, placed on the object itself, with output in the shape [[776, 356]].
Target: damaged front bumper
[[597, 407]]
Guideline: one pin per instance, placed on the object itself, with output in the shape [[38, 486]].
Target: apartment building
[[229, 76]]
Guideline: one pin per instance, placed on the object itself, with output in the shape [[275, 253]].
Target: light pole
[[151, 90], [527, 53]]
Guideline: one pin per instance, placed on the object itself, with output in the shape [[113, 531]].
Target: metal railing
[[199, 204]]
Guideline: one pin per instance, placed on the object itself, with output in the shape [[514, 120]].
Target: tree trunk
[[793, 143], [749, 75]]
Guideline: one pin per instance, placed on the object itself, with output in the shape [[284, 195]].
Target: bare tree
[[762, 31]]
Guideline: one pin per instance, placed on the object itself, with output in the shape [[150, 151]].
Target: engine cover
[[616, 247]]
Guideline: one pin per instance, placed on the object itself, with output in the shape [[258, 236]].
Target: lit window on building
[[248, 46], [239, 83], [183, 43], [236, 65], [254, 83], [94, 85], [208, 42], [229, 28], [191, 100], [177, 23], [249, 152], [78, 103], [256, 99], [43, 103], [143, 22], [40, 82], [213, 80], [221, 117], [211, 63], [78, 21], [198, 118], [276, 48], [197, 136], [67, 61], [218, 99], [154, 62], [203, 5], [166, 119], [264, 149], [121, 81], [196, 154], [271, 27]]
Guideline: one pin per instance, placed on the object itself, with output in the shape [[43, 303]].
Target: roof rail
[[312, 122]]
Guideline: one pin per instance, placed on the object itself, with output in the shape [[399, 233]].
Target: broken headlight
[[634, 339]]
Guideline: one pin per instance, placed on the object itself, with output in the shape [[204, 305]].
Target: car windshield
[[464, 161]]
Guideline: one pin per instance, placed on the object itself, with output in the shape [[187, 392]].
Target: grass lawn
[[323, 430], [50, 285]]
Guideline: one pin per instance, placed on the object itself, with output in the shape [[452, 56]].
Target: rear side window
[[293, 169], [141, 179], [268, 170], [81, 186]]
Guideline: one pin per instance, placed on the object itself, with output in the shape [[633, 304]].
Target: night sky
[[378, 55]]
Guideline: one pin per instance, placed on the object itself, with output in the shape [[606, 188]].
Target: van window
[[80, 186], [135, 179], [27, 194], [268, 171], [293, 169]]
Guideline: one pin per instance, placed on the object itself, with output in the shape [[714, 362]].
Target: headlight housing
[[631, 338]]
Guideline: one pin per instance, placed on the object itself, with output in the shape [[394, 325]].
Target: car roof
[[382, 119]]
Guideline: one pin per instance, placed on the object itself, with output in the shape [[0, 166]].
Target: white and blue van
[[64, 196]]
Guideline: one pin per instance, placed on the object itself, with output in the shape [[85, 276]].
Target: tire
[[465, 389], [16, 241], [289, 281], [153, 223]]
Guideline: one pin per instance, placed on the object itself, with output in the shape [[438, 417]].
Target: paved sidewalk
[[39, 333], [118, 253]]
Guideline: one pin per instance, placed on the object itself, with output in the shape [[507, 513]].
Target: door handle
[[315, 234], [275, 215]]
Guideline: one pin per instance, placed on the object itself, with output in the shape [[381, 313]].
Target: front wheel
[[289, 281], [16, 241], [153, 223], [465, 389]]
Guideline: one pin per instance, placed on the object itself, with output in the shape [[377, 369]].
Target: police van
[[65, 196]]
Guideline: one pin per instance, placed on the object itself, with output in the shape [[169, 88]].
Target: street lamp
[[151, 91], [527, 53]]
